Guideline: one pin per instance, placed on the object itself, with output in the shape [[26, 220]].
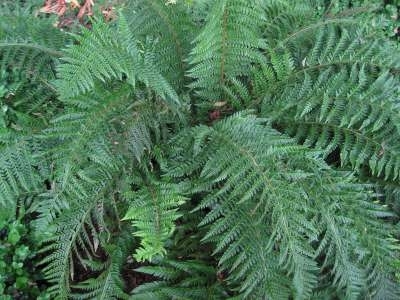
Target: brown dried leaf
[[58, 7], [86, 9], [75, 4]]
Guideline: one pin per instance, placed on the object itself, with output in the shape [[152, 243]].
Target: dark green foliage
[[107, 285], [103, 54], [230, 149]]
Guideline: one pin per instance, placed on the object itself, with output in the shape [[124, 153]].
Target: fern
[[73, 210], [29, 50], [18, 176], [30, 47], [74, 231], [27, 43], [302, 90], [108, 284], [251, 145]]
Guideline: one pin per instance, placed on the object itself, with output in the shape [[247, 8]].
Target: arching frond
[[235, 149], [18, 176], [268, 199], [105, 53], [336, 99], [29, 43], [75, 230]]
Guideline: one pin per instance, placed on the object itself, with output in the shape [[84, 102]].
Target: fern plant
[[235, 149]]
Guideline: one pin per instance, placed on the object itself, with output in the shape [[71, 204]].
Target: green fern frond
[[171, 29], [88, 118], [104, 54], [29, 52], [102, 130], [109, 284], [153, 212], [356, 117], [77, 140], [173, 117], [390, 194], [17, 174], [84, 65], [29, 43], [284, 18], [303, 92], [100, 137], [180, 280], [75, 230], [104, 127], [226, 46]]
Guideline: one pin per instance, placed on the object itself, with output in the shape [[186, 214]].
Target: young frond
[[153, 212]]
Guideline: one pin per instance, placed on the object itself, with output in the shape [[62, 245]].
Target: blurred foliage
[[19, 276]]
